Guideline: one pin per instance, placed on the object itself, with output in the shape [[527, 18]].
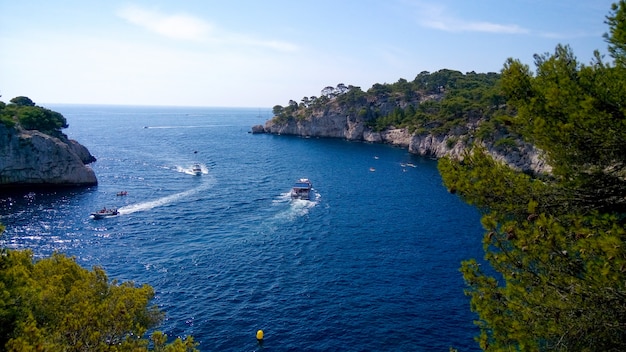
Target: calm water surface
[[371, 263]]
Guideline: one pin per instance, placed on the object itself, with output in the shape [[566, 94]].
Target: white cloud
[[176, 26], [491, 27], [435, 16], [186, 27]]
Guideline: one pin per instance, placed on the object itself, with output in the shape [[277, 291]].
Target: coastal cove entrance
[[369, 262]]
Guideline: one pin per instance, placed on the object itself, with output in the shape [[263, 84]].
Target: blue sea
[[369, 263]]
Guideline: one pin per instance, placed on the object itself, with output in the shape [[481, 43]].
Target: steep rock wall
[[37, 159], [338, 123]]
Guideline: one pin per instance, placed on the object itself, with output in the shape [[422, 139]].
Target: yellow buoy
[[259, 335]]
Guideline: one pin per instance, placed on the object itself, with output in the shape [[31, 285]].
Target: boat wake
[[189, 170], [297, 207], [133, 208]]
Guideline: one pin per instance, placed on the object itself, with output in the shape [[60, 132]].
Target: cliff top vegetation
[[430, 103], [23, 111]]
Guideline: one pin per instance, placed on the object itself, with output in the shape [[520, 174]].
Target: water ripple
[[370, 263]]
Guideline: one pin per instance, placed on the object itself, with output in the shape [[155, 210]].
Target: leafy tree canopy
[[22, 101], [432, 102], [556, 242], [617, 33], [22, 110], [55, 305]]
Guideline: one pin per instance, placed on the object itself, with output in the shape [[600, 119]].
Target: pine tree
[[555, 243]]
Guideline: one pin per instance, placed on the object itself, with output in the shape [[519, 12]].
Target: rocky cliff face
[[31, 158], [337, 122]]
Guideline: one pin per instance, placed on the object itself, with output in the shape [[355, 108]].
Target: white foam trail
[[132, 208], [189, 171], [283, 198], [297, 207]]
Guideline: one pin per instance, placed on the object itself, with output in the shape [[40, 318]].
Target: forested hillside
[[431, 103]]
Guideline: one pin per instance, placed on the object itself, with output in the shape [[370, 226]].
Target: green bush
[[22, 110], [53, 304]]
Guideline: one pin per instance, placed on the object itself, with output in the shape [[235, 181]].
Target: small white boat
[[196, 169], [302, 189], [104, 213]]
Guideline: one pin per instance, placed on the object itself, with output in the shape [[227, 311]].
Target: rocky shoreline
[[31, 159], [337, 123]]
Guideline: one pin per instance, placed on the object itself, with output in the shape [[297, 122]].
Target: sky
[[250, 53]]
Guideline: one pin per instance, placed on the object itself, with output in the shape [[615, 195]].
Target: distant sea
[[370, 263]]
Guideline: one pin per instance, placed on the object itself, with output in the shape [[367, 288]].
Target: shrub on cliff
[[22, 101], [5, 119], [32, 117], [41, 119]]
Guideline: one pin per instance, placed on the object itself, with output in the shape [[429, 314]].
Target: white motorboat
[[302, 189], [196, 169], [104, 213]]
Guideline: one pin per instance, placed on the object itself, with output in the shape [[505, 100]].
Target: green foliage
[[451, 142], [508, 143], [5, 116], [41, 119], [55, 305], [353, 96], [463, 97], [491, 185], [22, 101], [159, 341], [576, 114], [436, 103], [31, 117], [562, 284], [555, 243], [617, 32], [277, 109], [380, 89]]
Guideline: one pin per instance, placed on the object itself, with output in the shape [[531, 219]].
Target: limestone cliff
[[31, 158], [344, 121]]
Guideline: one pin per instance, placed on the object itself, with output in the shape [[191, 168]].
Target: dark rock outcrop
[[30, 158], [258, 129]]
